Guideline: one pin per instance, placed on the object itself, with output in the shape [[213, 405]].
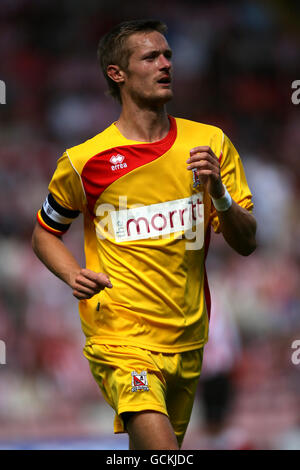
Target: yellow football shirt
[[147, 226]]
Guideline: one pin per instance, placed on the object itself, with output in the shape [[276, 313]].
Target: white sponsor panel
[[159, 220]]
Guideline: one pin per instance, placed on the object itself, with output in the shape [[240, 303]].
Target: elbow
[[250, 243], [248, 249]]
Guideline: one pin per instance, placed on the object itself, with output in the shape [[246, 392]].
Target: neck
[[143, 124]]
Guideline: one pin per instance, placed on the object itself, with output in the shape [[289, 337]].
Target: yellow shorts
[[134, 379]]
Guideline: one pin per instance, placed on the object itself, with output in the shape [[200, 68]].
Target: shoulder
[[187, 128], [80, 154], [194, 134], [186, 125]]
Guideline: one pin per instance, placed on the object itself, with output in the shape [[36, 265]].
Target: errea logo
[[117, 162]]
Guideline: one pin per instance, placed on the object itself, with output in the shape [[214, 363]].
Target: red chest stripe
[[106, 167]]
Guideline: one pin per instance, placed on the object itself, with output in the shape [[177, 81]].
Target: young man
[[149, 187]]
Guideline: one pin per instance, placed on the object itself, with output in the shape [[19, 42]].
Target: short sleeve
[[65, 199], [234, 178]]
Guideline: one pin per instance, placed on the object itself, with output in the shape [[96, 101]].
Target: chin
[[164, 97], [157, 99]]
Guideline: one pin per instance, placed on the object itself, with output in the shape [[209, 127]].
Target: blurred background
[[235, 63]]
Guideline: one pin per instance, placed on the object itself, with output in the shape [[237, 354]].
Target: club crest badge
[[139, 382]]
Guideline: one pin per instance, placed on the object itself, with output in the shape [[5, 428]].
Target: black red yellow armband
[[54, 217]]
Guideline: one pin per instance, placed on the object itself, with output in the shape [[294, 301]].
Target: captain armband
[[223, 203], [54, 217]]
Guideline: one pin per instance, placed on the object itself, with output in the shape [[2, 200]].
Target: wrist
[[71, 278], [223, 203]]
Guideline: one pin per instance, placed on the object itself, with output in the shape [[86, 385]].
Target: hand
[[87, 283], [207, 165]]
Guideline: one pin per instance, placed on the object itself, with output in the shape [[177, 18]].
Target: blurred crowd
[[234, 66]]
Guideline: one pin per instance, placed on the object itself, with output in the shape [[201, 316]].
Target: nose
[[164, 63]]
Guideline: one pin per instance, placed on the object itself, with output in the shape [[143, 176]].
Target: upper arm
[[65, 199]]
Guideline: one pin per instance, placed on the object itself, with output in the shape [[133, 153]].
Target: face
[[149, 73]]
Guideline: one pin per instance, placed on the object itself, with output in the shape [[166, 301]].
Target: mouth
[[166, 80]]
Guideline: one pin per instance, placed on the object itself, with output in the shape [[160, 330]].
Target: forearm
[[238, 227], [53, 253], [51, 250]]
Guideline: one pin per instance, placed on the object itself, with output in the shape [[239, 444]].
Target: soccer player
[[149, 186]]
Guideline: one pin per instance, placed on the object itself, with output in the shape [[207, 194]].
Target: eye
[[150, 57]]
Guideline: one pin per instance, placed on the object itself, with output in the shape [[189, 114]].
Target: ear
[[115, 73]]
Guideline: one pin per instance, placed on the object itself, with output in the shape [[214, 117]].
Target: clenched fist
[[87, 283], [207, 167]]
